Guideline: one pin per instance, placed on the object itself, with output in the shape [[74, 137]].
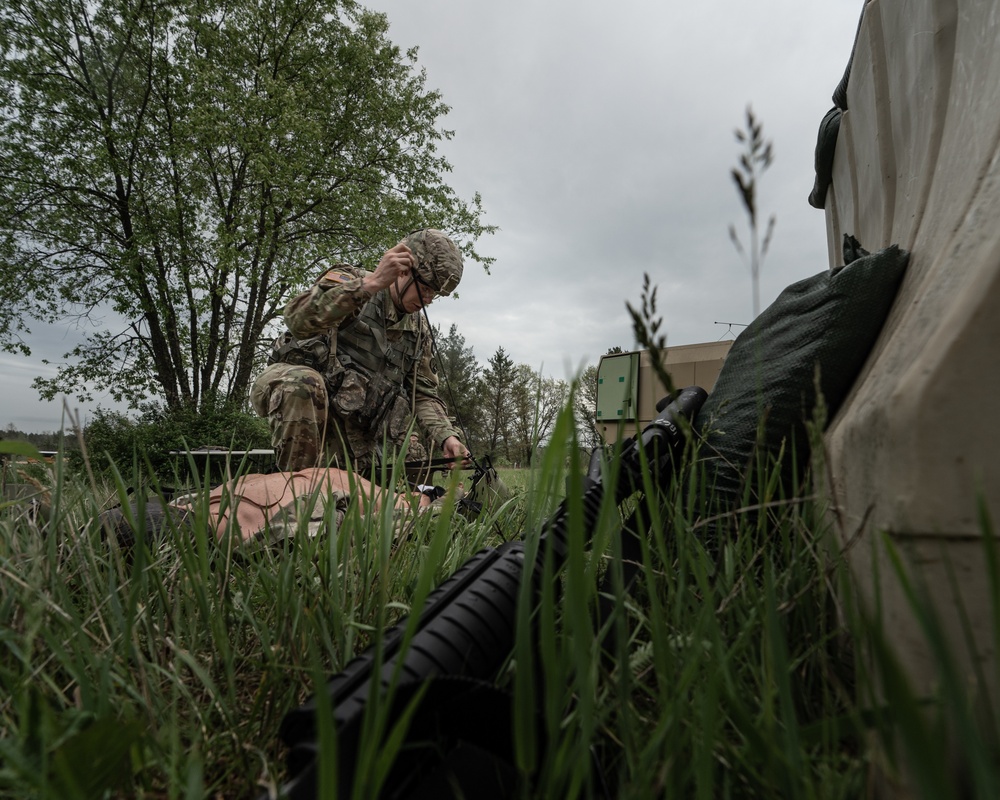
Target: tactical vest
[[312, 352], [364, 364], [372, 365]]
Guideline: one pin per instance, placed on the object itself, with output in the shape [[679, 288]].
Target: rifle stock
[[466, 630]]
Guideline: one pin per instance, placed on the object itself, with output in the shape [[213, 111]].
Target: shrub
[[115, 438]]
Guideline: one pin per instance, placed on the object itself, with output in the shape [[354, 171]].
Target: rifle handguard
[[467, 626]]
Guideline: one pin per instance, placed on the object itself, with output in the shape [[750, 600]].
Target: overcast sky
[[600, 136]]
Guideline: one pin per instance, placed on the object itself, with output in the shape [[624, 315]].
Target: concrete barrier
[[916, 446]]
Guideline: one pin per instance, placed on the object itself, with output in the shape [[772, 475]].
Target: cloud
[[602, 142], [601, 138]]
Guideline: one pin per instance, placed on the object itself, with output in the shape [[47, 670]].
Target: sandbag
[[767, 387]]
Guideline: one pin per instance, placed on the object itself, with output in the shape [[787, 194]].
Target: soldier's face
[[416, 296]]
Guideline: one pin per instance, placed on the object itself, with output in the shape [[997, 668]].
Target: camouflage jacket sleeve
[[429, 408], [336, 298]]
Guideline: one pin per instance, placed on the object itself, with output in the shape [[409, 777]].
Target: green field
[[740, 669]]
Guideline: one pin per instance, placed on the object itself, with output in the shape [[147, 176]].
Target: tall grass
[[166, 671]]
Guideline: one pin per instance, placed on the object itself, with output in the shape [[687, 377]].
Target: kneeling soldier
[[355, 366]]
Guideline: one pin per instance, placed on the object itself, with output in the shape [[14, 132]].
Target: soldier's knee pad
[[283, 385]]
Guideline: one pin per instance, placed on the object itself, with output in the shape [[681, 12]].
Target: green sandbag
[[830, 322]]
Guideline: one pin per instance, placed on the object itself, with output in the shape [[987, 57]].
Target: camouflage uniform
[[350, 373]]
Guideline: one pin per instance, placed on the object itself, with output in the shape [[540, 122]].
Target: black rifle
[[464, 636]]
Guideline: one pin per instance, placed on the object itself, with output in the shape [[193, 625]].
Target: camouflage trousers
[[305, 433]]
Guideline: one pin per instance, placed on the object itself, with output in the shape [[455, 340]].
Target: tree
[[585, 408], [496, 384], [459, 378], [183, 167], [521, 415], [535, 402]]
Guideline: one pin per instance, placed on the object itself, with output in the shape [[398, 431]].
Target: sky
[[601, 139]]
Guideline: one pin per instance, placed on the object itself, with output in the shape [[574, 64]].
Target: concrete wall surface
[[916, 446]]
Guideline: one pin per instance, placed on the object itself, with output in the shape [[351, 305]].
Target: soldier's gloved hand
[[395, 263], [453, 448]]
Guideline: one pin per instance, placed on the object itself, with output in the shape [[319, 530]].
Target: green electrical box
[[628, 387], [617, 382]]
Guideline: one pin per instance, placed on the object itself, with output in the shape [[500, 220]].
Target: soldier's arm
[[338, 296], [334, 299], [429, 409]]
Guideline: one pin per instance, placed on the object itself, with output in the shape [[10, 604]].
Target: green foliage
[[533, 406], [27, 462], [181, 169], [19, 449], [733, 673], [646, 324], [507, 410], [585, 404], [113, 438], [517, 408], [45, 440], [67, 753], [459, 378], [756, 157], [496, 385]]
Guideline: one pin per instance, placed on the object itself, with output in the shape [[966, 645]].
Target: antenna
[[730, 325]]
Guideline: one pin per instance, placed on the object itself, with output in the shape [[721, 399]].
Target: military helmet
[[439, 261]]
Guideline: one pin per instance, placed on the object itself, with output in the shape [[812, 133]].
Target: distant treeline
[[46, 440]]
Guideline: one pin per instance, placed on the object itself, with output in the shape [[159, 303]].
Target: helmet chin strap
[[399, 293], [447, 382]]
